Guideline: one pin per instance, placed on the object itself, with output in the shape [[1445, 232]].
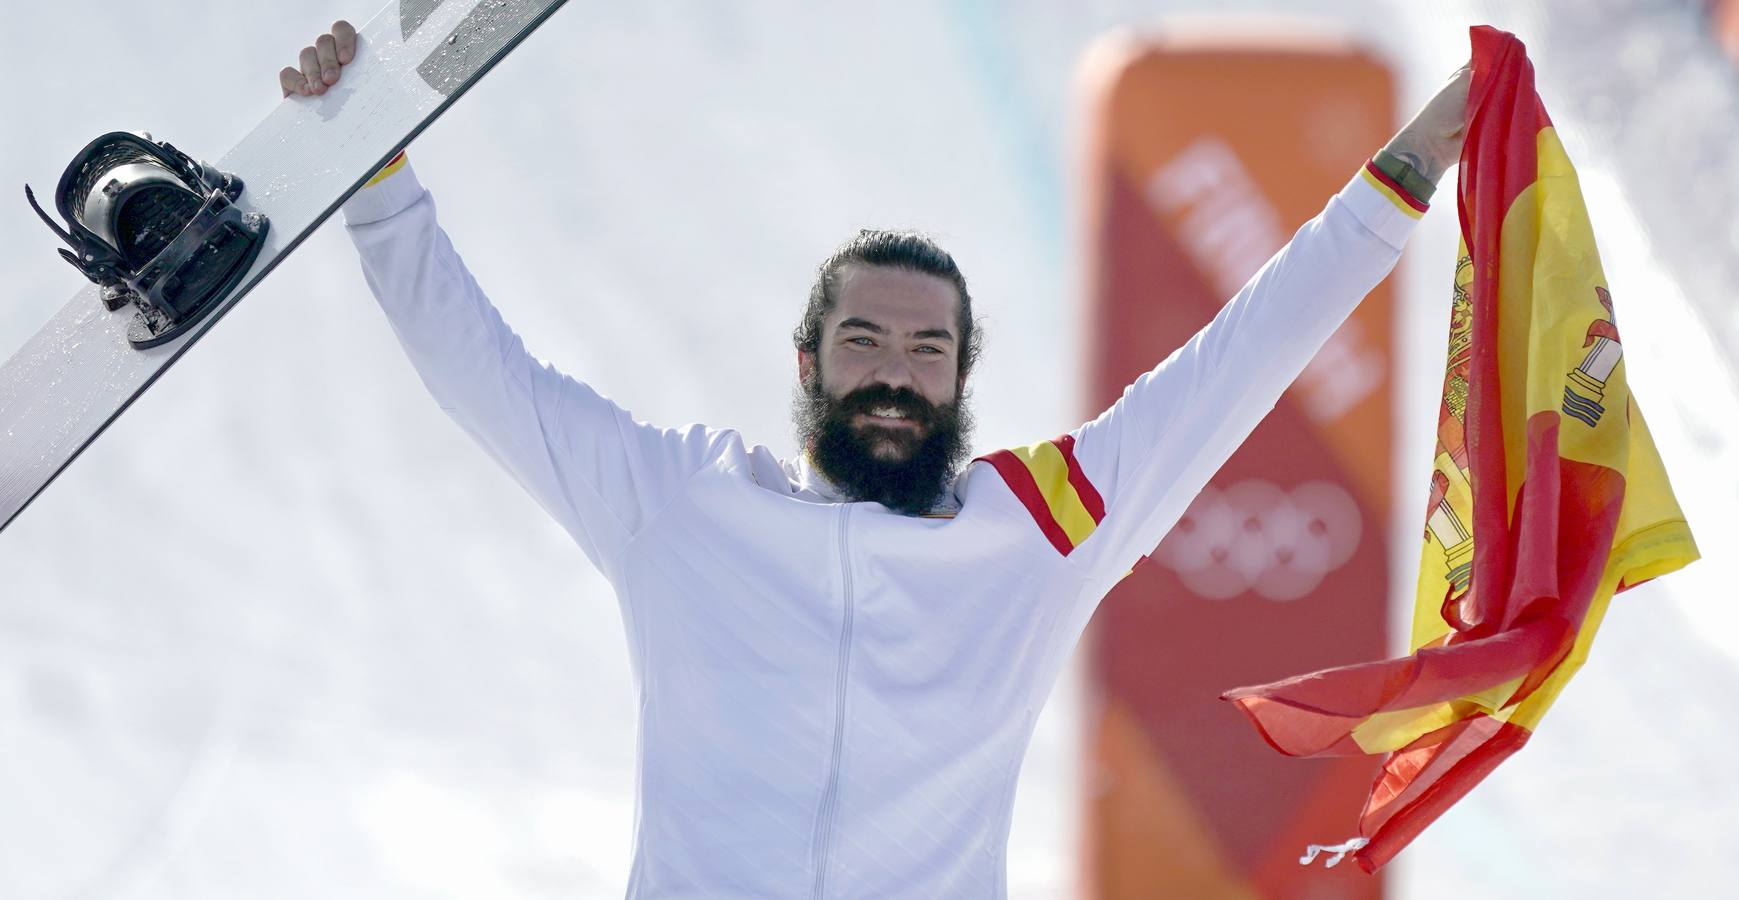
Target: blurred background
[[284, 631]]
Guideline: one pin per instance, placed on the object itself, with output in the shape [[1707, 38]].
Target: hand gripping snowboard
[[113, 339]]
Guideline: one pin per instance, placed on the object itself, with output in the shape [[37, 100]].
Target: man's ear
[[805, 366]]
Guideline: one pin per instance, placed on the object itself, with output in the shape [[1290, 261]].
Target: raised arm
[[585, 460], [1157, 446]]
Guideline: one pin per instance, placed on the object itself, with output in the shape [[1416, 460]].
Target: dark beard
[[910, 484]]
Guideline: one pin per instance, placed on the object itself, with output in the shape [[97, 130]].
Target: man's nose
[[895, 371]]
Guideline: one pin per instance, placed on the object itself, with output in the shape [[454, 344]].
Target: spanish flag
[[1547, 494]]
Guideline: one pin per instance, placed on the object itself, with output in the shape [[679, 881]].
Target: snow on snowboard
[[413, 59]]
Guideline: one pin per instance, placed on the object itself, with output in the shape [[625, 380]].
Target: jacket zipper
[[829, 797]]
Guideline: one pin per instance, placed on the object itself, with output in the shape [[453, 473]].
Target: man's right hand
[[319, 65]]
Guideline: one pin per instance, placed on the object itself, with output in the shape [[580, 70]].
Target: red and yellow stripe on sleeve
[[387, 171], [1397, 194], [1049, 482]]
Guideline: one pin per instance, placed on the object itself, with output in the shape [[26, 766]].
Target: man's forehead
[[904, 298]]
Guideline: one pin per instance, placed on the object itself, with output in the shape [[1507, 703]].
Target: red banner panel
[[1205, 154]]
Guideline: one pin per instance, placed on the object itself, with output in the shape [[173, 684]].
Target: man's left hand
[[1431, 143]]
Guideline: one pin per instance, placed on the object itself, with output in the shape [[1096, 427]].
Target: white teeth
[[888, 412]]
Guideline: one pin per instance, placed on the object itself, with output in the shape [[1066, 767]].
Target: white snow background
[[285, 632]]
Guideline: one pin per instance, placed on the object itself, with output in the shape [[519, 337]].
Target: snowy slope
[[285, 632]]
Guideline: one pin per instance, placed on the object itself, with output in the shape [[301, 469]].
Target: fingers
[[310, 63], [345, 37], [319, 67], [326, 50], [290, 79]]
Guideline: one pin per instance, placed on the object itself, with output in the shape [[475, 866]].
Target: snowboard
[[77, 374]]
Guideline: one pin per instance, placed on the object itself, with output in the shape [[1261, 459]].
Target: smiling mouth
[[877, 418]]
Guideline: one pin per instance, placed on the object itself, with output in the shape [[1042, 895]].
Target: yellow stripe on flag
[[1386, 732], [1549, 269]]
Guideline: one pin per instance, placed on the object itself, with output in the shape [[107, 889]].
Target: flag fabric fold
[[1547, 494]]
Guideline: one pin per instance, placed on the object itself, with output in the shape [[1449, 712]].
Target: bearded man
[[840, 657]]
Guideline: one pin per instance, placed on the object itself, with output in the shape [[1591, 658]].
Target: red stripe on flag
[[1090, 499], [1498, 161], [1323, 734], [1306, 715], [1418, 784], [1020, 480]]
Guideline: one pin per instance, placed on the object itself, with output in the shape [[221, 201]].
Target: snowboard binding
[[153, 228]]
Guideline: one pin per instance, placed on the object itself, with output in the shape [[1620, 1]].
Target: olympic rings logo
[[1255, 536]]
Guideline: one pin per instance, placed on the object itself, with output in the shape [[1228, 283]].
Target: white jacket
[[835, 699]]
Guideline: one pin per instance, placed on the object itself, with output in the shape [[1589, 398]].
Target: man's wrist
[[1410, 171]]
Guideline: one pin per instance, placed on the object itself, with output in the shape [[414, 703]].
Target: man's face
[[880, 408]]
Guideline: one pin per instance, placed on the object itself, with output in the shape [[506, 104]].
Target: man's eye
[[928, 349], [861, 341]]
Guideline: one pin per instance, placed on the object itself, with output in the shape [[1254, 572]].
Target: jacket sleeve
[[1152, 452], [601, 474]]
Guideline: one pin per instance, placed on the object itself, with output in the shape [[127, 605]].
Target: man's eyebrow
[[927, 334], [865, 324]]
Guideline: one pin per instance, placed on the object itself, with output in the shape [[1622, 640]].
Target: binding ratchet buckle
[[153, 228]]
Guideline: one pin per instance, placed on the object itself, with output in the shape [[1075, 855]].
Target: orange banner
[[1725, 18], [1206, 153]]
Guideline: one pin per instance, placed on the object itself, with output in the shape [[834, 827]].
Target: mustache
[[910, 403]]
